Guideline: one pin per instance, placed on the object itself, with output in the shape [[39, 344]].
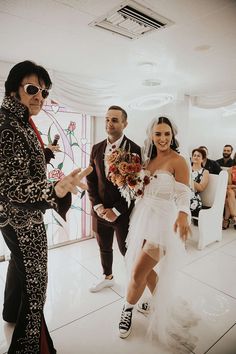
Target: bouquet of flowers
[[125, 171]]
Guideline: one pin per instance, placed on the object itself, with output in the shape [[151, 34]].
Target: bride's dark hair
[[149, 150]]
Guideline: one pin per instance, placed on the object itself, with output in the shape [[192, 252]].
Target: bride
[[159, 227]]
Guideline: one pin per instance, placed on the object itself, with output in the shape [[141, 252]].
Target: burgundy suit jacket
[[100, 189]]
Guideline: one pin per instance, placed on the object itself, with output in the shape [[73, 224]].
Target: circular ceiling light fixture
[[148, 102], [147, 66]]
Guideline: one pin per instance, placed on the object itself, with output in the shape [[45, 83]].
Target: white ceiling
[[195, 56]]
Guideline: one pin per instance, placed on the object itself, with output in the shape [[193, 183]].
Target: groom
[[110, 211]]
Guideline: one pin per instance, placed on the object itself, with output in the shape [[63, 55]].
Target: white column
[[182, 121]]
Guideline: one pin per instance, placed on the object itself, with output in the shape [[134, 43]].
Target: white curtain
[[75, 91], [78, 93], [94, 97]]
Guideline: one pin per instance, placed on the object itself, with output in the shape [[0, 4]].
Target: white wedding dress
[[153, 219]]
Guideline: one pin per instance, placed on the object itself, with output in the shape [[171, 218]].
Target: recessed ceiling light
[[147, 66], [151, 82], [148, 102]]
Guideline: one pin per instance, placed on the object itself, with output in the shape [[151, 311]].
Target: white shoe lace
[[125, 319]]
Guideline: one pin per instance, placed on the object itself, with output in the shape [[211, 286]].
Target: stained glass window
[[74, 130]]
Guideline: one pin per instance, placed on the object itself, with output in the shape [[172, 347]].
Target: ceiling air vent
[[131, 20]]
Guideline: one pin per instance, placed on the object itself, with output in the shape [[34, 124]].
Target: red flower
[[146, 180], [113, 168], [71, 126], [56, 174], [130, 168], [138, 167], [139, 192], [131, 181], [136, 158]]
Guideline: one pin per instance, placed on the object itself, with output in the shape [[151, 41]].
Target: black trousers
[[25, 289], [12, 293], [105, 233]]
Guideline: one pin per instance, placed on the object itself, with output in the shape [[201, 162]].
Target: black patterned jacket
[[25, 191]]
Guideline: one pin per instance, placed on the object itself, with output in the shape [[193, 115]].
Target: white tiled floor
[[85, 323]]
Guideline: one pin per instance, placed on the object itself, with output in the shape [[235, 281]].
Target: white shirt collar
[[116, 144]]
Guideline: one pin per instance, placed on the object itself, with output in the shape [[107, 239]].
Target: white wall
[[202, 127], [137, 123], [211, 128]]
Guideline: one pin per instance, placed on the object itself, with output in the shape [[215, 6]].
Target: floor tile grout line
[[87, 269], [98, 278], [88, 314], [219, 339], [117, 293], [208, 285], [228, 255], [207, 254]]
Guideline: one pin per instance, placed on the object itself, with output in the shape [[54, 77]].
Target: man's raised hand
[[70, 182]]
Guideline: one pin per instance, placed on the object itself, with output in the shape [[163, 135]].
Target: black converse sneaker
[[144, 307], [125, 323]]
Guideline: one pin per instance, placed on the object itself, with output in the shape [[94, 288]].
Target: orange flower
[[120, 180], [112, 157], [123, 167], [112, 178]]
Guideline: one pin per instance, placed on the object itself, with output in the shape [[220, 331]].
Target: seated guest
[[200, 178], [230, 201], [210, 165], [226, 161], [234, 159]]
